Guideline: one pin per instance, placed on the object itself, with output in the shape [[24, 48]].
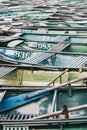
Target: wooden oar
[[57, 113]]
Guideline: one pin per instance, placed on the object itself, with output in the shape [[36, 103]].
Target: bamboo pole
[[67, 83], [58, 76], [47, 90]]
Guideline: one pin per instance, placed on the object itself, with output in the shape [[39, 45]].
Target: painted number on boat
[[44, 46], [22, 54]]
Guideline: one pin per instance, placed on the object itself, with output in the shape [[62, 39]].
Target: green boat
[[61, 107]]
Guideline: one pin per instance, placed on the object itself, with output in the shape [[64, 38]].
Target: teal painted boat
[[54, 38], [46, 60], [45, 114]]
